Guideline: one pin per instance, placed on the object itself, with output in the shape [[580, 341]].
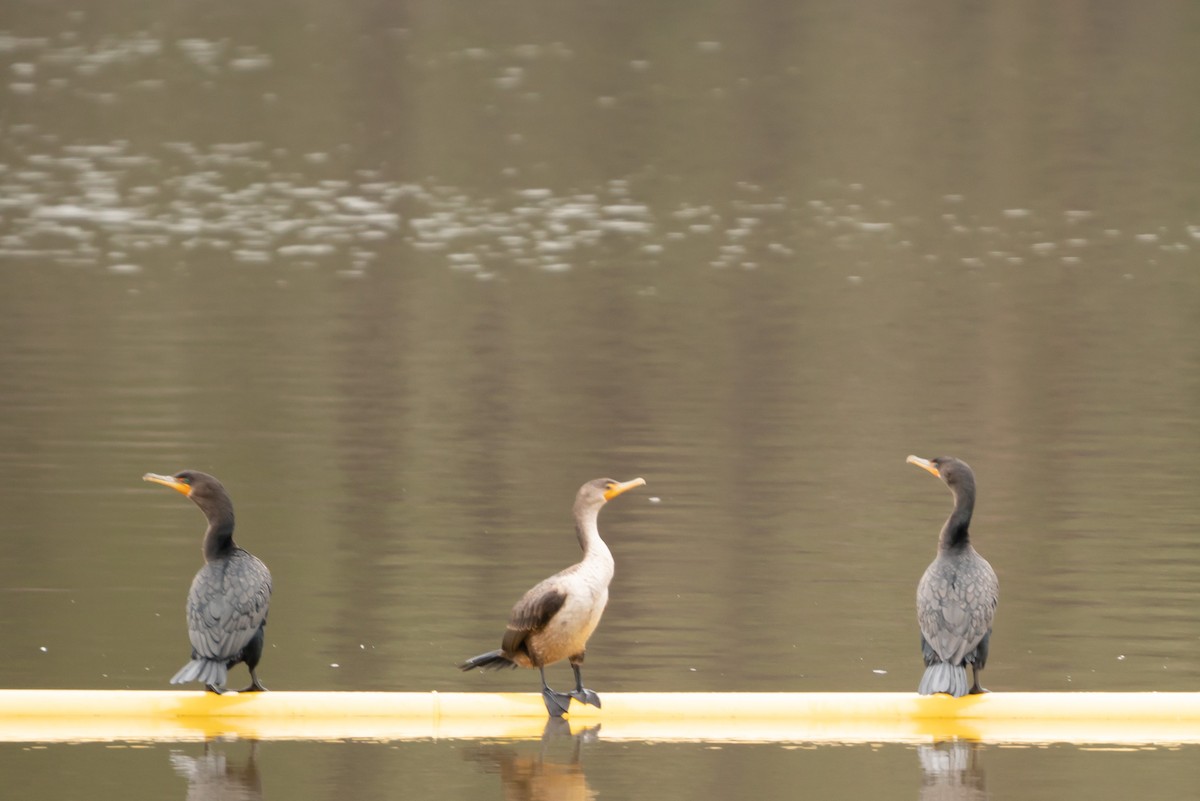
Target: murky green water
[[405, 275], [569, 768]]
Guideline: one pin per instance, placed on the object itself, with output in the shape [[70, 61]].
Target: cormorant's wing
[[227, 605]]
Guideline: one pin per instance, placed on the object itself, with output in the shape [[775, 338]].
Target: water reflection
[[211, 777], [541, 775], [952, 771]]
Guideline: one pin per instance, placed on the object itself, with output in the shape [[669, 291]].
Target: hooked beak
[[169, 481], [924, 463], [623, 487]]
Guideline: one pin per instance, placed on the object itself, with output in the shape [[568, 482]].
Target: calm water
[[404, 275], [588, 767]]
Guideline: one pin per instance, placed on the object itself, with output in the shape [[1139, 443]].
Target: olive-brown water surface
[[405, 275]]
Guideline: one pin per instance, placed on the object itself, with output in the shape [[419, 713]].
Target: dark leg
[[556, 702], [581, 693], [256, 686], [250, 655], [981, 655]]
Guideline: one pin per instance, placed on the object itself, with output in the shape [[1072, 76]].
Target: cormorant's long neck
[[956, 532], [586, 528], [218, 540]]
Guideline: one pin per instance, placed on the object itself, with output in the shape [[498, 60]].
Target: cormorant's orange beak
[[169, 481], [616, 489], [924, 463]]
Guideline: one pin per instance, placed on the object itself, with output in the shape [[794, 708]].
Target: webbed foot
[[585, 696], [256, 686], [556, 703]]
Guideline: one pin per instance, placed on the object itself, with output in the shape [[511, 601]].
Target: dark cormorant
[[957, 596], [554, 619], [227, 604]]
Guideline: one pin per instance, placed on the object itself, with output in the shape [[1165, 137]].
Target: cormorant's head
[[202, 488], [954, 472], [602, 490]]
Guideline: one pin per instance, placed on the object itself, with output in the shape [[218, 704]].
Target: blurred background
[[403, 275]]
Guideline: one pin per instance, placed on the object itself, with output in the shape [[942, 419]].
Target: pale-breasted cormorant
[[554, 619]]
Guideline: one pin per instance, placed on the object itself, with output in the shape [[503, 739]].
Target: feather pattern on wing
[[532, 614], [956, 604], [227, 605]]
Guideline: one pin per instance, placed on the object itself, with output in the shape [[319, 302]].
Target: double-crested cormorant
[[227, 604], [957, 596], [554, 619]]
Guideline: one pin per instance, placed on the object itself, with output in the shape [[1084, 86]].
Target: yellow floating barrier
[[617, 706], [50, 715]]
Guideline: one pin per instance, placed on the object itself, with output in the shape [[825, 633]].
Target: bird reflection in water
[[211, 777], [952, 771], [540, 776]]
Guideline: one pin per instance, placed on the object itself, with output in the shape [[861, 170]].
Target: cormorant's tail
[[942, 677], [210, 672], [492, 660]]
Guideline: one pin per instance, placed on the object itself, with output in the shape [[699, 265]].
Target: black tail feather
[[942, 677], [208, 671], [492, 660]]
